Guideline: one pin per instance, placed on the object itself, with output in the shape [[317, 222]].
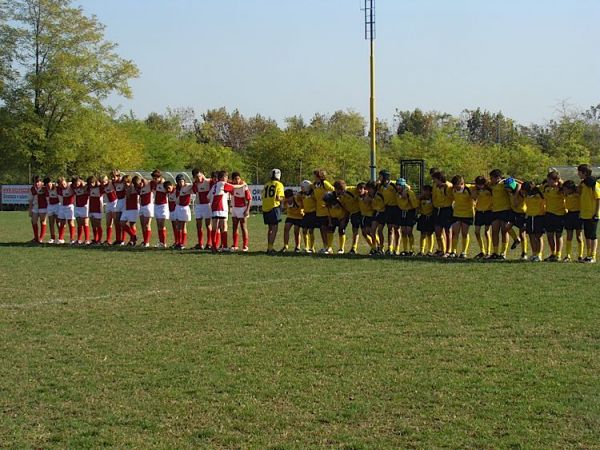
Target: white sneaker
[[88, 242], [74, 242], [60, 241], [234, 249], [51, 241], [245, 249], [160, 245], [226, 250], [145, 245], [340, 251], [323, 251]]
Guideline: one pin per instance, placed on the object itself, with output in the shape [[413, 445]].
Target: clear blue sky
[[285, 57]]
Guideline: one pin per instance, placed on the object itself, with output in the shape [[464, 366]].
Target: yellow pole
[[372, 118]]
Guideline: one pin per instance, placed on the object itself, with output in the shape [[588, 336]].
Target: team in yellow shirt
[[448, 209]]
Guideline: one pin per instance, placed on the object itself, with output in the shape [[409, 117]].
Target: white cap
[[276, 174], [305, 185]]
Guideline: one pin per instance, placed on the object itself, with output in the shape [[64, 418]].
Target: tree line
[[57, 68]]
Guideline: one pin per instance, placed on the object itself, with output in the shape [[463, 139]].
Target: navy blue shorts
[[573, 221], [590, 228], [339, 224], [408, 217], [392, 215], [366, 222], [443, 217], [465, 220], [272, 217], [356, 220], [554, 223], [483, 218], [518, 220], [503, 216], [535, 225], [426, 224], [322, 221], [296, 222], [310, 221], [381, 217]]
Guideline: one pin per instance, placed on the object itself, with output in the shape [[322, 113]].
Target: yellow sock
[[355, 245], [580, 248], [431, 242], [513, 234], [524, 245], [505, 247], [342, 241], [488, 240], [422, 243], [466, 241], [411, 243]]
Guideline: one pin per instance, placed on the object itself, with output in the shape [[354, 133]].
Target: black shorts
[[518, 220], [572, 221], [392, 215], [321, 221], [337, 223], [554, 223], [366, 222], [483, 218], [590, 228], [503, 216], [408, 217], [426, 224], [272, 217], [535, 225], [356, 220], [465, 220], [296, 222], [443, 217], [380, 217], [310, 221]]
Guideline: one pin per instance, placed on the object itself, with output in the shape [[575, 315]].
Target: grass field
[[122, 348]]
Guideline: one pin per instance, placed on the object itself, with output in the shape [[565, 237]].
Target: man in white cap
[[271, 200]]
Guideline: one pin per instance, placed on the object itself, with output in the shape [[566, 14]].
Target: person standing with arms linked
[[272, 195]]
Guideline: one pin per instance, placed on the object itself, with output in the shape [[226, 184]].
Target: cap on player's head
[[306, 186], [276, 174], [401, 182]]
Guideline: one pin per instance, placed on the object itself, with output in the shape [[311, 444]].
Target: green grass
[[111, 347]]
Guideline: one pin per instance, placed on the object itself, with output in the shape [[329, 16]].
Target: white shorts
[[130, 215], [202, 211], [111, 207], [66, 212], [239, 212], [53, 210], [81, 212], [96, 215], [161, 211], [36, 210], [120, 205], [182, 214], [220, 214], [147, 211]]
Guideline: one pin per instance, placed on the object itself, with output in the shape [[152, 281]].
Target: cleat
[[226, 250], [535, 258], [271, 252], [197, 247], [452, 255], [493, 256], [462, 256], [411, 253], [589, 260], [234, 249], [420, 254], [145, 245], [524, 257], [480, 256], [340, 251], [297, 250], [245, 249], [352, 252], [323, 251], [501, 257], [566, 259], [515, 244], [51, 241], [283, 250]]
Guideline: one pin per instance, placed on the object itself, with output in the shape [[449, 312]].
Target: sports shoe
[[439, 254], [132, 243], [245, 249], [581, 259], [480, 256], [451, 255], [410, 253], [145, 245], [340, 251], [524, 257], [283, 250], [589, 260], [198, 247], [297, 250], [403, 254], [535, 258], [493, 256], [226, 249], [462, 256], [566, 259], [388, 252], [515, 244], [501, 257], [271, 251], [51, 241], [372, 252], [551, 258], [352, 252], [420, 254]]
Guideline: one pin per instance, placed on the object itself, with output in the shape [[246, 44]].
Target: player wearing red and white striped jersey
[[53, 207], [146, 209], [82, 196], [118, 183], [111, 200], [38, 205], [240, 210], [182, 210], [96, 192], [66, 212], [202, 210], [130, 215], [161, 207], [219, 206]]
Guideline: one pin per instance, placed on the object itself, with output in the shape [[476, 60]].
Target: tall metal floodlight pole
[[370, 36]]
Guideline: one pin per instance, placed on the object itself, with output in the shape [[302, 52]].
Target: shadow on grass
[[195, 252]]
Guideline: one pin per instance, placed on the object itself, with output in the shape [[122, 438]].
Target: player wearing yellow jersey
[[555, 214], [272, 195], [378, 204], [589, 192], [292, 205], [442, 204], [321, 187], [536, 208], [309, 222], [392, 212], [501, 214], [407, 204], [348, 198], [517, 198], [483, 216], [367, 213], [336, 214], [572, 220], [464, 211], [425, 222]]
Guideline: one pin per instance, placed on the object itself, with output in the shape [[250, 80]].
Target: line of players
[[125, 199], [498, 207]]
